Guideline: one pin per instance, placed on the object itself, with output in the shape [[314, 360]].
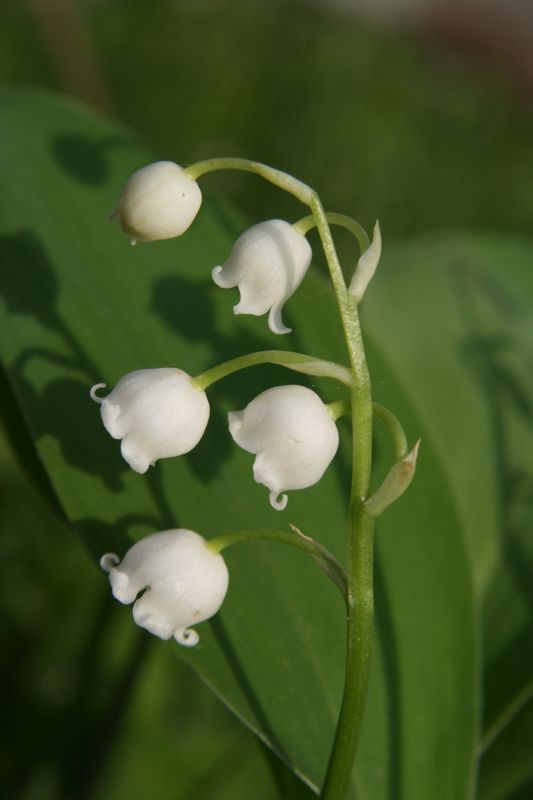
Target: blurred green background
[[427, 126]]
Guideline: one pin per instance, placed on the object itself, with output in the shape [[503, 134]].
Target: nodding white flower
[[293, 434], [159, 201], [158, 413], [267, 263], [182, 582]]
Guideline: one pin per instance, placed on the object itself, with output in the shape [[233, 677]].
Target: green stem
[[360, 546], [299, 362], [332, 258], [220, 543], [341, 408], [358, 656], [393, 425], [306, 224], [338, 409], [327, 562], [283, 180]]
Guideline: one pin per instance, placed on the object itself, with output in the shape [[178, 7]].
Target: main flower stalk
[[360, 563], [360, 547]]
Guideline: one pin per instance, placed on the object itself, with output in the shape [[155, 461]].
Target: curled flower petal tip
[[159, 201], [267, 263], [175, 580], [277, 501], [292, 435], [157, 413]]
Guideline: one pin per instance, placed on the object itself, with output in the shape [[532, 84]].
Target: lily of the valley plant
[[176, 578]]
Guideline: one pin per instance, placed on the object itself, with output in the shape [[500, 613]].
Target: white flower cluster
[[161, 413]]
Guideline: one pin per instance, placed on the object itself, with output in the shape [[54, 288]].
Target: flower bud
[[366, 266], [267, 263], [159, 201], [396, 482], [158, 413], [293, 435], [183, 582]]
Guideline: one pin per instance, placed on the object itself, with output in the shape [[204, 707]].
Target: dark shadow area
[[64, 411], [28, 284], [22, 444], [165, 515], [502, 366], [62, 408], [67, 725], [524, 793], [212, 451], [289, 785], [187, 309], [85, 160], [86, 760], [116, 537]]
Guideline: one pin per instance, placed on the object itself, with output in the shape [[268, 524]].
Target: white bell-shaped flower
[[267, 263], [158, 413], [293, 434], [159, 201], [182, 582]]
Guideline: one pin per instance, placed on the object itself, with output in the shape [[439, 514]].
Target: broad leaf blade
[[459, 312]]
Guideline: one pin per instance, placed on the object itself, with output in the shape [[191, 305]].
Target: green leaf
[[82, 307], [459, 312], [507, 766]]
